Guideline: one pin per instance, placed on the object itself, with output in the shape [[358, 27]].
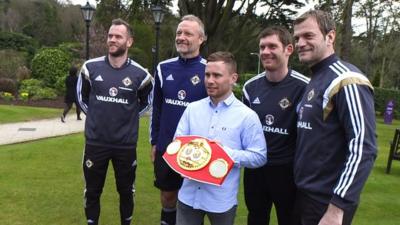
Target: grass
[[10, 114], [41, 183]]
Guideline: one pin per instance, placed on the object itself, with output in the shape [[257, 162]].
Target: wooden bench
[[394, 153]]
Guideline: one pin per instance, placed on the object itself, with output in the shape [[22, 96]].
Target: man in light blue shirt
[[225, 119]]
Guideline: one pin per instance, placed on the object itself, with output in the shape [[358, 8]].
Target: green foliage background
[[382, 97], [18, 41], [51, 65]]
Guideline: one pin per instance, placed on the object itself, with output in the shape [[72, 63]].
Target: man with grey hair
[[178, 81]]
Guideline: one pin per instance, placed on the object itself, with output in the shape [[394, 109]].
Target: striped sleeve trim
[[84, 71], [256, 77], [299, 76], [159, 73], [349, 81], [356, 144], [344, 78]]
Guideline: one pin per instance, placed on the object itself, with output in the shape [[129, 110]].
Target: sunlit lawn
[[41, 183], [10, 113]]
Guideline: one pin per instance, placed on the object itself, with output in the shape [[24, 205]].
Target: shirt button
[[212, 127], [199, 188]]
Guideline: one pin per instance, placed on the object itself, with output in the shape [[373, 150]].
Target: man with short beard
[[178, 81], [112, 91]]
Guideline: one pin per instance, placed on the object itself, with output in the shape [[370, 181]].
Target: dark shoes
[[79, 118], [63, 118]]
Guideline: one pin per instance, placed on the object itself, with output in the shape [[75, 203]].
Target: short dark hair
[[283, 34], [324, 20], [225, 57], [120, 21]]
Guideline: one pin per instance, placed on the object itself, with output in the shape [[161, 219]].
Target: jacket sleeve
[[245, 96], [157, 104], [145, 94], [83, 88], [355, 107]]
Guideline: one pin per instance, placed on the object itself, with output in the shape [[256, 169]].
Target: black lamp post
[[258, 58], [158, 14], [87, 13]]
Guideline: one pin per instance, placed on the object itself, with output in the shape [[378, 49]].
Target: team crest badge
[[195, 79], [127, 81], [284, 103], [269, 119], [310, 95], [113, 92], [181, 94], [89, 163]]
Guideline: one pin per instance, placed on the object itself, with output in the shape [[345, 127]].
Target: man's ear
[[235, 77], [130, 42], [330, 37], [289, 49]]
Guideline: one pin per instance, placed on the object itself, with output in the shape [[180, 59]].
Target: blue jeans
[[186, 215]]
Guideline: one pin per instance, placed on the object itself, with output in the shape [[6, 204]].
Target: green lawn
[[41, 183], [10, 114]]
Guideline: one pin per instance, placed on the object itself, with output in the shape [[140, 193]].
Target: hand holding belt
[[199, 159]]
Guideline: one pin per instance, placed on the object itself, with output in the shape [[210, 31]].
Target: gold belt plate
[[194, 155]]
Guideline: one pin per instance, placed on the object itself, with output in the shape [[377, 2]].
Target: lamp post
[[158, 14], [87, 13], [258, 58]]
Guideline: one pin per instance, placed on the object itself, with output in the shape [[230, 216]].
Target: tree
[[230, 24], [381, 37], [345, 30]]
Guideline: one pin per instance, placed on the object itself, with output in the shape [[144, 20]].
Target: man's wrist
[[334, 210]]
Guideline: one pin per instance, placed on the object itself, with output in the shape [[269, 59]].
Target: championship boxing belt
[[199, 159]]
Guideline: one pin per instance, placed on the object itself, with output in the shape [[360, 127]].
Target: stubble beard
[[119, 52]]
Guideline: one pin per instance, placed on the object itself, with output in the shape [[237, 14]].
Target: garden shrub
[[30, 86], [36, 90], [14, 59], [45, 93], [22, 73], [18, 41], [49, 65], [73, 48], [7, 96], [24, 96], [8, 85]]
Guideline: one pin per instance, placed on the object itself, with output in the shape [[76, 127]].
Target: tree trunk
[[346, 31]]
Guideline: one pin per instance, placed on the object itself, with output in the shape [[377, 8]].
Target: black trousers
[[266, 186], [95, 164], [68, 106], [309, 211]]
